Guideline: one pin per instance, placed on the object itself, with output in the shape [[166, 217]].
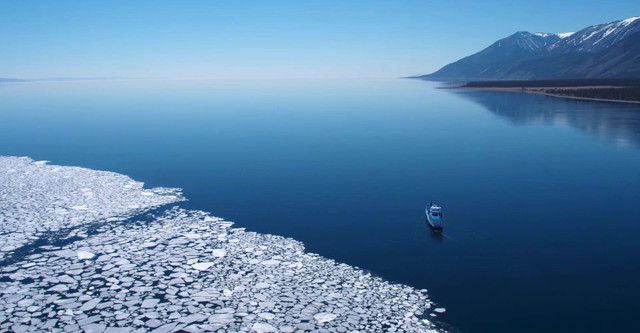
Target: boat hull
[[435, 224]]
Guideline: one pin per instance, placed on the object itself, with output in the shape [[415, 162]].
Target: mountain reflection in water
[[618, 122]]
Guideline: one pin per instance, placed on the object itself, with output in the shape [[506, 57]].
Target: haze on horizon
[[269, 39]]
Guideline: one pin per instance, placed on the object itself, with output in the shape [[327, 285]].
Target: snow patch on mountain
[[564, 35], [630, 20]]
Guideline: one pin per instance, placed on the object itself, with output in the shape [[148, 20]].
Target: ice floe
[[202, 266], [37, 199], [324, 317], [180, 270], [85, 255]]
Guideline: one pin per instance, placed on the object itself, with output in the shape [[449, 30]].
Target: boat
[[434, 216]]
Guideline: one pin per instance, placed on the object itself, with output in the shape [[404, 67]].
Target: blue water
[[540, 194]]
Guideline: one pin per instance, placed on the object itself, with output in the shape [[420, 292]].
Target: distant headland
[[56, 79], [609, 90]]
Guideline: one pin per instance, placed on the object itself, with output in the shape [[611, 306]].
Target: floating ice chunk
[[205, 294], [271, 262], [121, 262], [59, 287], [221, 318], [267, 304], [153, 323], [193, 318], [150, 303], [202, 266], [262, 285], [295, 265], [263, 328], [94, 328], [440, 310], [180, 240], [66, 279], [192, 236], [65, 253], [219, 253], [165, 328], [25, 302], [89, 305], [266, 315], [324, 317], [82, 255], [117, 330], [51, 323]]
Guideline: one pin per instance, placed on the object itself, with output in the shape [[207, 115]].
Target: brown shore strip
[[545, 91]]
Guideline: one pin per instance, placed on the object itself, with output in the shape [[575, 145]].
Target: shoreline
[[532, 90]]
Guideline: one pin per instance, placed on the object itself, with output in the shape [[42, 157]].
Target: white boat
[[434, 216]]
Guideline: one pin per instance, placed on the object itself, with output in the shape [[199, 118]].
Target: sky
[[269, 38]]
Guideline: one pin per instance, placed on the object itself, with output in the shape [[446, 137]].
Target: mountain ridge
[[5, 79], [598, 51]]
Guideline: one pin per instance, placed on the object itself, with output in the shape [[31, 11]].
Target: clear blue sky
[[267, 39]]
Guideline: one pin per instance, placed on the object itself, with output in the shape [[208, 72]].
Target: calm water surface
[[541, 194]]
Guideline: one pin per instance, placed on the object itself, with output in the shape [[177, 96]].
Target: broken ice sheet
[[176, 271]]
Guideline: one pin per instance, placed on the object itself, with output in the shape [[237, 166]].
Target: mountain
[[610, 50], [55, 79], [620, 60], [499, 59], [598, 37], [3, 79]]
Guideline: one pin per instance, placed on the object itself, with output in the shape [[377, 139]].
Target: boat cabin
[[436, 212]]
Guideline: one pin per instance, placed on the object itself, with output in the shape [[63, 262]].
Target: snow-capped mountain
[[539, 55], [526, 42], [497, 60], [599, 37]]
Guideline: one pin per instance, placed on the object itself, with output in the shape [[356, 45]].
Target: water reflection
[[435, 234], [617, 122]]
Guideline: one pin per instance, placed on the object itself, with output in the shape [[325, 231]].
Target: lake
[[540, 194]]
